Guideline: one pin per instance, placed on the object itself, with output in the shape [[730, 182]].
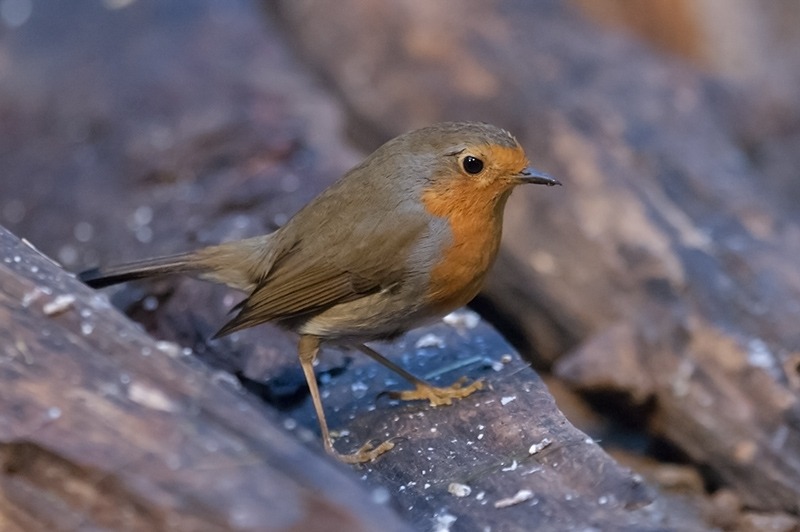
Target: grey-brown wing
[[301, 284]]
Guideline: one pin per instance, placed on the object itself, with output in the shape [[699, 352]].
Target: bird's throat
[[476, 221]]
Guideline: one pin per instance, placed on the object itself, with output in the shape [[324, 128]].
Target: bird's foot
[[367, 453], [439, 396]]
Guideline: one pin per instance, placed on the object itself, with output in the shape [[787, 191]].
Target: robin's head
[[469, 163]]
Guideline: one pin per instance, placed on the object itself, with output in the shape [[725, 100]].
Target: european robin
[[400, 240]]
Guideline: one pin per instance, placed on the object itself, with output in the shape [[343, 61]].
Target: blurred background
[[657, 292]]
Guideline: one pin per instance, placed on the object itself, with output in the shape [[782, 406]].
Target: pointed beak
[[529, 175]]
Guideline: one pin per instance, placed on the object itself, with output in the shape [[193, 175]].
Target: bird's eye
[[472, 165]]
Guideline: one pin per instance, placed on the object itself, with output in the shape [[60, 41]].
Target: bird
[[399, 241]]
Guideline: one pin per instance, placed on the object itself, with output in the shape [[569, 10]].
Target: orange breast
[[476, 217]]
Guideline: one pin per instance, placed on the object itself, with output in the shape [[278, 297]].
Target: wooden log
[[102, 426]]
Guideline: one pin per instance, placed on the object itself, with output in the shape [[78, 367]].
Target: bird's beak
[[529, 175]]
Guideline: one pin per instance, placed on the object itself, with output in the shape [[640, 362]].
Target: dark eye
[[472, 165]]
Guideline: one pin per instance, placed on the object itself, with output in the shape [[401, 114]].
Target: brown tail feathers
[[101, 277], [240, 264]]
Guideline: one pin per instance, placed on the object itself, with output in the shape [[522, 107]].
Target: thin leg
[[423, 390], [307, 350]]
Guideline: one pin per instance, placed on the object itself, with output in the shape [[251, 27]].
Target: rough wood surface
[[103, 427], [459, 462]]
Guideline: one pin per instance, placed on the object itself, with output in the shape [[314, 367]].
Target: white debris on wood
[[171, 349], [462, 318], [520, 496], [60, 304], [505, 400], [430, 340], [538, 447], [512, 467], [150, 397], [459, 490]]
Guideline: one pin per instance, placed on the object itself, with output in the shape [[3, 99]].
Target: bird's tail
[[101, 277]]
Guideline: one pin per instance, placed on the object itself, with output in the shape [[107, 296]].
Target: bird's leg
[[307, 350], [422, 390]]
